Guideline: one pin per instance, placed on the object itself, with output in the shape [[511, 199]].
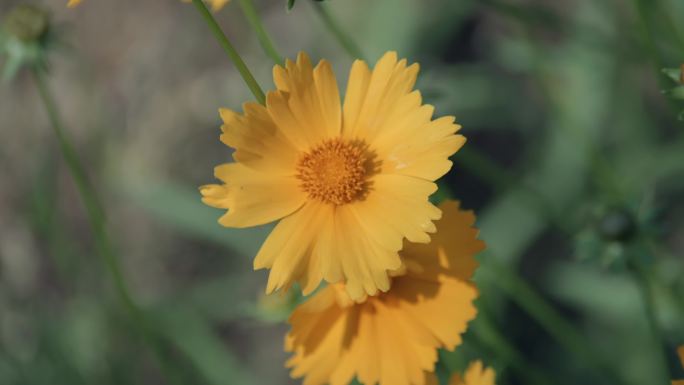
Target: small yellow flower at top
[[680, 351], [347, 181], [393, 337], [476, 374], [216, 5]]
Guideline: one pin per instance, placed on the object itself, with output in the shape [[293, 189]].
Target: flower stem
[[334, 27], [640, 277], [230, 50], [258, 27], [96, 217], [556, 325]]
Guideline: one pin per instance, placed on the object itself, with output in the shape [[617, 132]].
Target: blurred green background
[[574, 165]]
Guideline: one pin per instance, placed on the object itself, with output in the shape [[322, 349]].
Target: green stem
[[640, 277], [334, 27], [96, 218], [230, 50], [556, 325], [258, 27]]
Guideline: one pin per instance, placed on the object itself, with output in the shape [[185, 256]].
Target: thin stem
[[96, 217], [640, 277], [258, 27], [230, 50], [556, 325], [334, 27]]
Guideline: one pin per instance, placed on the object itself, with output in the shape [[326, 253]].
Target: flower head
[[392, 338], [216, 5], [348, 181], [476, 374]]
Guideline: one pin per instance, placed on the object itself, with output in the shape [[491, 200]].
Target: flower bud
[[27, 22]]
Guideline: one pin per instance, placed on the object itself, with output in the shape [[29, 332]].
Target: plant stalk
[[258, 27], [96, 217], [230, 50], [340, 35]]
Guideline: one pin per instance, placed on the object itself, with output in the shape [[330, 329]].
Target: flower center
[[334, 171]]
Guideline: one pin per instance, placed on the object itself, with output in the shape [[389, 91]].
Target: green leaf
[[673, 73], [290, 4]]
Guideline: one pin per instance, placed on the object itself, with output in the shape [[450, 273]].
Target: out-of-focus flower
[[350, 182], [392, 338], [25, 39], [680, 351], [216, 5], [476, 374]]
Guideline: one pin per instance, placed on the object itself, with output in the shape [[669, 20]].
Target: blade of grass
[[96, 217]]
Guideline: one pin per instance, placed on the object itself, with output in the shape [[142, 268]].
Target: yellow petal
[[251, 197], [73, 3], [422, 149], [287, 250], [372, 96], [452, 248], [258, 142], [403, 202], [476, 374], [216, 5], [306, 106], [391, 338]]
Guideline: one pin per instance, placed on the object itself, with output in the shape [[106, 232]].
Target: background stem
[[334, 27], [640, 277], [258, 27], [230, 50], [96, 217]]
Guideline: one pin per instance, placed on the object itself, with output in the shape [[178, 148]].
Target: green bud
[[27, 22], [617, 225]]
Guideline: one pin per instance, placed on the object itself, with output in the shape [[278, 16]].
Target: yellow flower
[[349, 182], [476, 374], [216, 5], [680, 351], [392, 338]]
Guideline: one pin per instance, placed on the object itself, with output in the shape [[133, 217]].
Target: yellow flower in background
[[216, 5], [680, 351], [392, 338], [349, 181], [476, 374]]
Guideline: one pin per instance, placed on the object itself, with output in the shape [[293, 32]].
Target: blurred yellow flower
[[216, 5], [392, 338], [476, 374], [680, 351], [349, 181]]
